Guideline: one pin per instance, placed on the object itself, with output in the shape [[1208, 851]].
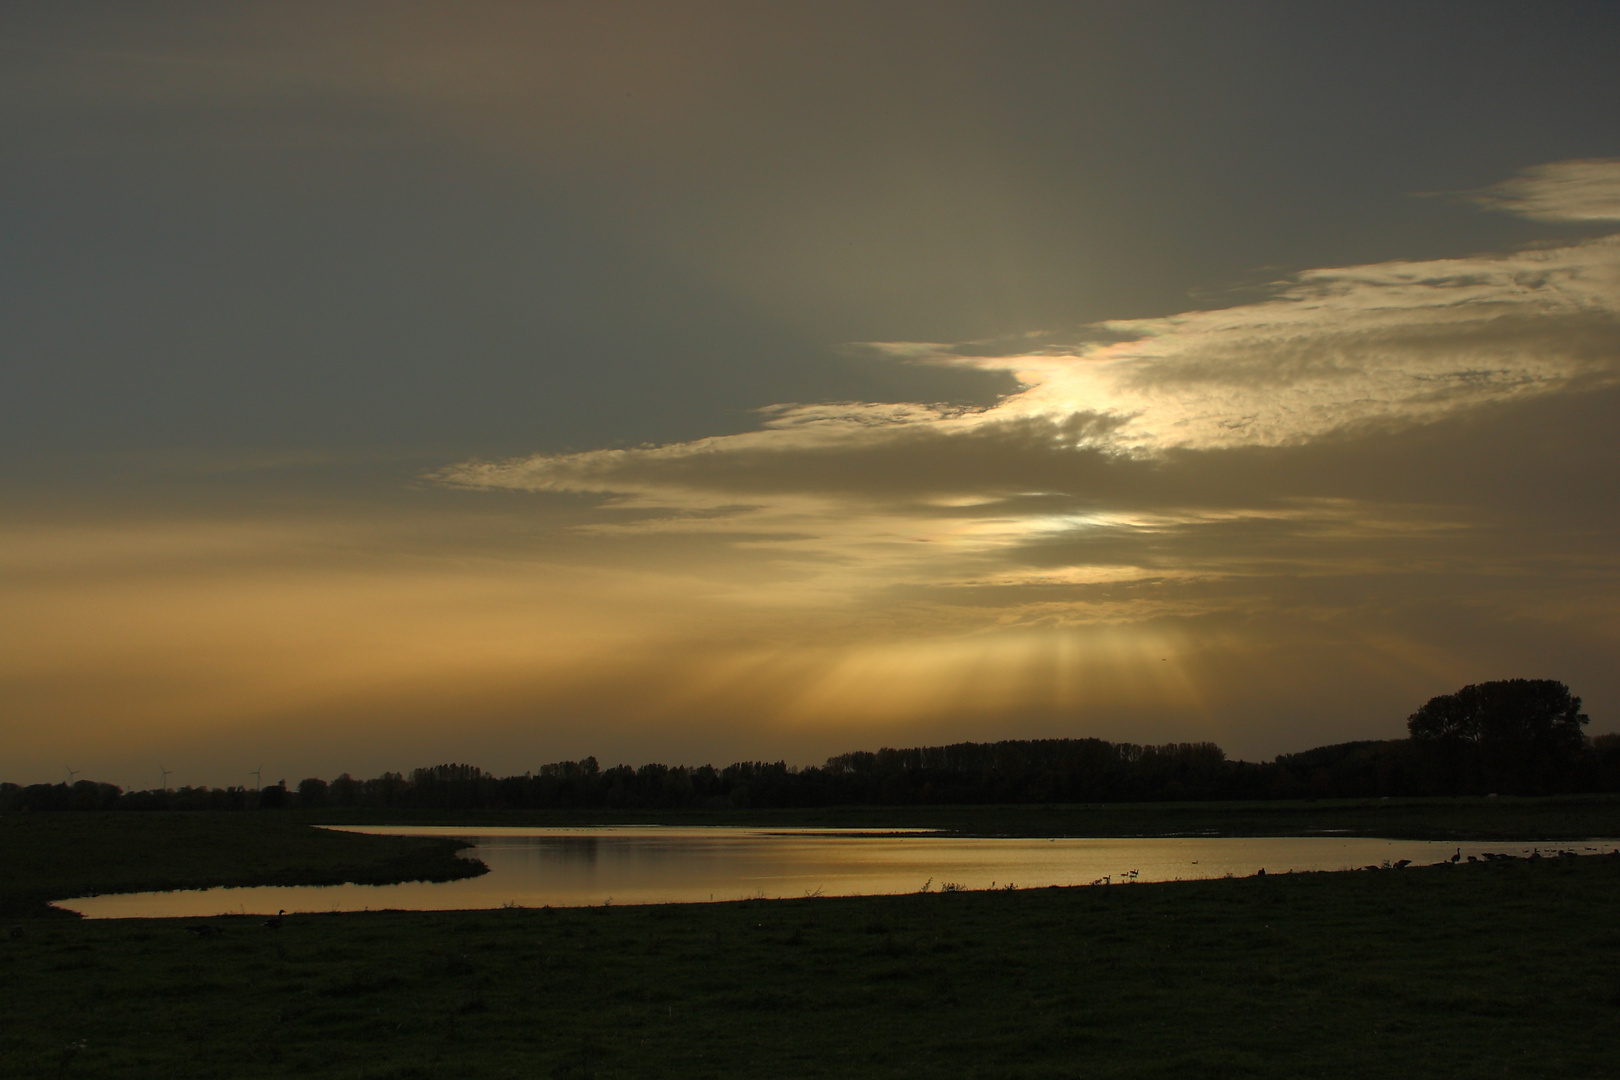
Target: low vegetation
[[1562, 817], [55, 856]]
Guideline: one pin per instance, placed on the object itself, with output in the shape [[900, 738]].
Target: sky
[[400, 383]]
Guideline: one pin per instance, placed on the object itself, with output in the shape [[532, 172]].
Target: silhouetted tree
[[1514, 736], [1519, 735], [343, 791], [1599, 766]]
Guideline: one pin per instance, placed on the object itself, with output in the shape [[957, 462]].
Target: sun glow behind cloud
[[910, 492], [1321, 503], [1154, 488]]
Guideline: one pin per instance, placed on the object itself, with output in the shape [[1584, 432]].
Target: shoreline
[[74, 853]]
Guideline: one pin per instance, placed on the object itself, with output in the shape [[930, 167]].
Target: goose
[[275, 923]]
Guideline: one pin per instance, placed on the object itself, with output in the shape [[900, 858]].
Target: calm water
[[652, 864]]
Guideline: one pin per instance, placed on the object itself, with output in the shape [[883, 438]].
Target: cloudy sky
[[388, 384]]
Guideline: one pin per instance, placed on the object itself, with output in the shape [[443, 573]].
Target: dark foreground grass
[[46, 857], [1499, 969]]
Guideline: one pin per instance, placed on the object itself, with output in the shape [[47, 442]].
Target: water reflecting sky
[[653, 864]]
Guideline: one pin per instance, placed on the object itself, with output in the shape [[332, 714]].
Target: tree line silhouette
[[1518, 736]]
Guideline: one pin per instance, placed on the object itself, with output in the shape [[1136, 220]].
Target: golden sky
[[515, 383]]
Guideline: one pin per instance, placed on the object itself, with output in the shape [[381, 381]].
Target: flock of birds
[[1401, 864], [1488, 857]]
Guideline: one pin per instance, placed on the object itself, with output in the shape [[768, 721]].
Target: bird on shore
[[1457, 857], [275, 923]]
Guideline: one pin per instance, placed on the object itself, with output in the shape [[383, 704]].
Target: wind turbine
[[72, 772], [165, 773], [258, 777]]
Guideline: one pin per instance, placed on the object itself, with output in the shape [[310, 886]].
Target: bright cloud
[[1563, 191], [1141, 436]]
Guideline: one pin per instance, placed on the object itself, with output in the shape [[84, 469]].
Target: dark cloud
[[556, 226]]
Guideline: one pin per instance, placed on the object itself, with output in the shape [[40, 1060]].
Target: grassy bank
[[54, 856], [1566, 817], [1502, 969]]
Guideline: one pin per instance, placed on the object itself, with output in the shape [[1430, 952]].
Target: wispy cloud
[[1563, 191]]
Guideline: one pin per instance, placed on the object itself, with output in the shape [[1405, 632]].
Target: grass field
[[1500, 969]]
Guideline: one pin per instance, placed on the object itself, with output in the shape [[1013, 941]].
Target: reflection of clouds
[[1210, 442]]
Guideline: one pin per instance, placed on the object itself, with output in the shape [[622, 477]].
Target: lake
[[533, 867]]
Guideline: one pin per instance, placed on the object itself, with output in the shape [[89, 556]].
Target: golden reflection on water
[[533, 867]]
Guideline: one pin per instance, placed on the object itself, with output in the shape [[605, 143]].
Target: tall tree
[[1520, 735]]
